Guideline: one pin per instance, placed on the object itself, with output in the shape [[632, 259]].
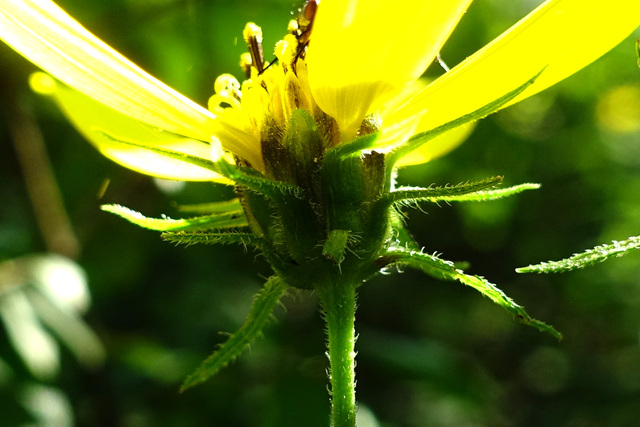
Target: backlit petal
[[363, 52], [100, 125], [561, 35], [43, 33]]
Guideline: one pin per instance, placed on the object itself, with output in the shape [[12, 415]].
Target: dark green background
[[430, 353]]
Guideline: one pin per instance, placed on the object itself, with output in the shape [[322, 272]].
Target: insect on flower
[[300, 28], [304, 23]]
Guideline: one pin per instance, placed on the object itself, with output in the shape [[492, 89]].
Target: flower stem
[[338, 301]]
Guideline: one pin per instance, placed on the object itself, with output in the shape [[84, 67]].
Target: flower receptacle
[[333, 219]]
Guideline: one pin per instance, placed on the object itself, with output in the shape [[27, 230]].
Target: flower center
[[263, 105], [273, 114]]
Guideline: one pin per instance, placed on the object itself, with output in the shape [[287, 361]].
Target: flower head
[[312, 138], [358, 67]]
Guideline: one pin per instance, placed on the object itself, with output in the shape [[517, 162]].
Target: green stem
[[338, 301]]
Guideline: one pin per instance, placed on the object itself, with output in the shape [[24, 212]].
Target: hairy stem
[[338, 301]]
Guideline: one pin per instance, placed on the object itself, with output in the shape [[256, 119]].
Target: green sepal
[[342, 150], [257, 208], [417, 140], [336, 245], [211, 238], [243, 176], [350, 183], [207, 222], [496, 194], [344, 190], [187, 158], [474, 191], [212, 208], [292, 224], [456, 193], [252, 179], [589, 257], [259, 315], [304, 146], [439, 194], [442, 269]]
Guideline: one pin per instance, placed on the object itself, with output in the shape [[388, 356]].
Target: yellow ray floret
[[560, 36], [362, 53], [103, 127], [55, 42]]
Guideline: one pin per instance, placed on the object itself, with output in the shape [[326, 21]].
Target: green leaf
[[259, 315], [586, 258], [255, 181], [442, 269], [208, 238], [225, 220], [417, 140]]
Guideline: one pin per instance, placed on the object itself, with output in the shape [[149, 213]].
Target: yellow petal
[[362, 53], [44, 34], [561, 35], [233, 130], [101, 125]]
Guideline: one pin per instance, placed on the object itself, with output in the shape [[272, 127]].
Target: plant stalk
[[338, 301]]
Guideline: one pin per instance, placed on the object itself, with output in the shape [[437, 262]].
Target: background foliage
[[430, 353]]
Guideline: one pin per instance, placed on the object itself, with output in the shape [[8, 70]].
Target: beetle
[[306, 16]]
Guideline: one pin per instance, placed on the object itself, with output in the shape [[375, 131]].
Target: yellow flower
[[361, 68]]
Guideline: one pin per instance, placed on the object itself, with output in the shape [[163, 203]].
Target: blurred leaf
[[49, 406], [60, 279], [47, 290], [71, 329], [32, 342]]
